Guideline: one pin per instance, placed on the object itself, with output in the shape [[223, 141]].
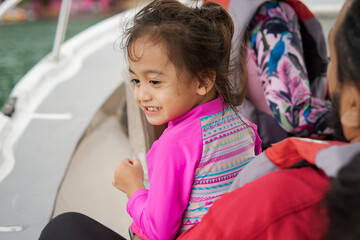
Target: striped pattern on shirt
[[228, 145]]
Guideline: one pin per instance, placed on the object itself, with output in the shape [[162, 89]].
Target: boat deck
[[39, 168]]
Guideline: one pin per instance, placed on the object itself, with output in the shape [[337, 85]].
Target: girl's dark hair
[[197, 40], [347, 46], [343, 203]]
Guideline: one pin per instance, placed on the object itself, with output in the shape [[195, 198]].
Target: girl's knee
[[60, 226]]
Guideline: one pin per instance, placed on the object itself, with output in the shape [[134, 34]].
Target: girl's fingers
[[136, 161]]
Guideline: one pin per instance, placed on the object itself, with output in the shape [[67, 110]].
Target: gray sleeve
[[257, 168], [332, 159]]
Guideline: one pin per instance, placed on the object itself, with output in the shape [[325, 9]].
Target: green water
[[22, 45]]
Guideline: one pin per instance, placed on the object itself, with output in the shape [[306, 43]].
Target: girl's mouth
[[152, 109]]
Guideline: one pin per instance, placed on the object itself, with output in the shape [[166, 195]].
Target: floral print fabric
[[276, 45]]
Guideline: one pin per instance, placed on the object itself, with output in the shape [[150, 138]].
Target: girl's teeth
[[152, 108]]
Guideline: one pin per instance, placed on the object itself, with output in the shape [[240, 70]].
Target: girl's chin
[[155, 122]]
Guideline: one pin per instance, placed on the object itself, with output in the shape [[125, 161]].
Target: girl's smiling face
[[159, 91]]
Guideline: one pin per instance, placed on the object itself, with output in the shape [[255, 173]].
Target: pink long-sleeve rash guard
[[172, 161]]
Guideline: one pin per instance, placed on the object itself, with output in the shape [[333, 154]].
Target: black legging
[[76, 226]]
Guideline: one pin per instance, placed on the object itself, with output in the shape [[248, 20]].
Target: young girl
[[179, 63]]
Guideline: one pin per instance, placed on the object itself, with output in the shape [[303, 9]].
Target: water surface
[[22, 45]]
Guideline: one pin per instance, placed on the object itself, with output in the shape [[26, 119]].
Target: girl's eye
[[153, 82], [135, 81]]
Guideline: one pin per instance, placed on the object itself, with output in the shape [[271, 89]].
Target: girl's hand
[[136, 237], [129, 176]]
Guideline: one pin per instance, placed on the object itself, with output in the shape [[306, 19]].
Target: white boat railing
[[61, 24], [7, 5], [61, 28], [326, 10]]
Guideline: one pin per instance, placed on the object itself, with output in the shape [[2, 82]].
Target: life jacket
[[329, 156]]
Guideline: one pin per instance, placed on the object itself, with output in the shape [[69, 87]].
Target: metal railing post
[[61, 28], [7, 5]]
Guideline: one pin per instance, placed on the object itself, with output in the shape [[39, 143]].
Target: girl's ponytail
[[233, 90], [218, 16]]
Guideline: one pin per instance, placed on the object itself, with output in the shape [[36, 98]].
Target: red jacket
[[281, 203]]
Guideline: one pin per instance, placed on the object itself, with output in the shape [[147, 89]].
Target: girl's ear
[[351, 117], [206, 82]]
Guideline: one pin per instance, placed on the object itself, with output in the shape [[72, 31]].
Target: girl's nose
[[142, 94]]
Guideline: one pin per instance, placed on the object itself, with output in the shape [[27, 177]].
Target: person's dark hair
[[347, 46], [197, 40], [343, 203]]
